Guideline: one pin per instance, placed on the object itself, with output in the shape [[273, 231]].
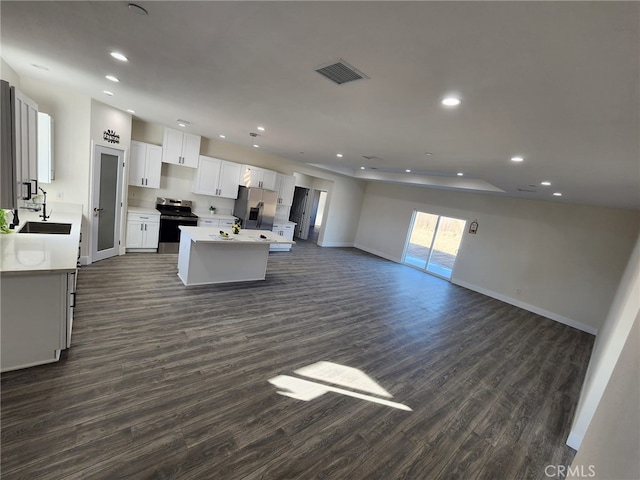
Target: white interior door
[[106, 207]]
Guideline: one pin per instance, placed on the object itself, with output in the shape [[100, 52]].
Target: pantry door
[[433, 243], [106, 207]]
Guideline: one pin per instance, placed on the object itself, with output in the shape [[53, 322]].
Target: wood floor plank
[[165, 381]]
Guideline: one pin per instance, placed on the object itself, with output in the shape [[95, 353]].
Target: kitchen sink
[[47, 228]]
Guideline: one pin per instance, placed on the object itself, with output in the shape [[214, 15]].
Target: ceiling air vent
[[371, 157], [527, 190], [340, 72]]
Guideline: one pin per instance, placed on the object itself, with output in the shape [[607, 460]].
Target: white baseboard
[[531, 308], [574, 441], [336, 244], [84, 260], [376, 253]]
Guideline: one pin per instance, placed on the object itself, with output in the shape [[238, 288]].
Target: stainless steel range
[[173, 213]]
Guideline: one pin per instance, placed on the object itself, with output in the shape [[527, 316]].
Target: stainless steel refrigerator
[[256, 208]]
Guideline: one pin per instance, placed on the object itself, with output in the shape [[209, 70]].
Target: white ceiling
[[554, 82]]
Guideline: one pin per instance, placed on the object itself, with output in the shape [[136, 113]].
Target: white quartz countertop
[[143, 210], [38, 253], [212, 235]]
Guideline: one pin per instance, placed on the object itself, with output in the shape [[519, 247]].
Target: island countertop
[[212, 235]]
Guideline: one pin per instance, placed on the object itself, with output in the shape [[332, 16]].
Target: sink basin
[[46, 227]]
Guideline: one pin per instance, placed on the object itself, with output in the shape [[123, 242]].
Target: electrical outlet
[[518, 292], [60, 196]]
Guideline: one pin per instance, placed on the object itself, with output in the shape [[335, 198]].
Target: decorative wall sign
[[473, 228], [111, 136], [332, 373]]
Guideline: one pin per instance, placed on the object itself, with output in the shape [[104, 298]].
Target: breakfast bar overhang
[[207, 257]]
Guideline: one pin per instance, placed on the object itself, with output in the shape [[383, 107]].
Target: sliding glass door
[[433, 243]]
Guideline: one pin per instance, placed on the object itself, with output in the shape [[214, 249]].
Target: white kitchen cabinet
[[258, 177], [143, 231], [217, 178], [215, 222], [208, 222], [285, 184], [34, 333], [26, 145], [145, 164], [45, 148], [180, 148], [285, 229]]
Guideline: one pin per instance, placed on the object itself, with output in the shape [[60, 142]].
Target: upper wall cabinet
[[180, 148], [145, 164], [26, 145], [258, 177], [45, 148], [285, 184], [216, 178]]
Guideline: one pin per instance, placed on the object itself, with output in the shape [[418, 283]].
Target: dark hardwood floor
[[164, 381]]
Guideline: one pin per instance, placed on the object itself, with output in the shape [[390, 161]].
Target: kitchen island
[[206, 257]]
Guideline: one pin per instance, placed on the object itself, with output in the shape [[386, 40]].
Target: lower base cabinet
[[34, 332], [143, 232], [286, 230]]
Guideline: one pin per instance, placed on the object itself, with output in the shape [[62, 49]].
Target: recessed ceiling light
[[362, 168], [112, 78], [261, 129], [428, 153], [408, 171], [517, 159], [451, 101], [41, 67], [119, 56], [181, 125], [557, 194], [130, 111], [137, 9], [460, 174], [339, 155], [222, 136], [107, 92], [545, 183], [256, 146]]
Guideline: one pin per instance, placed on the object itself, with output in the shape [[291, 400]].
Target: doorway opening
[[433, 242], [298, 212], [318, 202]]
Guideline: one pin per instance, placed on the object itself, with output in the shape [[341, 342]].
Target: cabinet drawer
[[143, 217], [208, 222], [226, 223]]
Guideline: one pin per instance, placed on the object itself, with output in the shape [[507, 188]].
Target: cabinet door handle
[[146, 181], [73, 296], [142, 181], [145, 227], [141, 227]]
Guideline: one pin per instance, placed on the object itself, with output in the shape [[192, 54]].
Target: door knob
[[98, 209]]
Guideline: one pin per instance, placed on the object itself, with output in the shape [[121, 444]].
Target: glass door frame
[[414, 215]]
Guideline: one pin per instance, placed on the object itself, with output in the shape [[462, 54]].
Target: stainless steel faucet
[[44, 215]]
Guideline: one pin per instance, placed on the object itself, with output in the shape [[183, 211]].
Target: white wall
[[71, 113], [612, 440], [608, 347], [103, 118], [9, 74], [567, 260]]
